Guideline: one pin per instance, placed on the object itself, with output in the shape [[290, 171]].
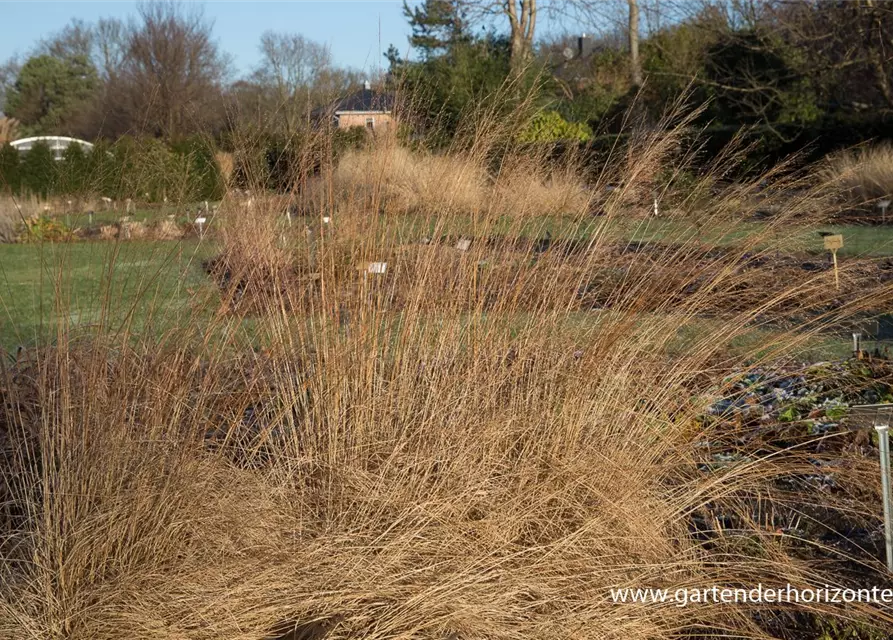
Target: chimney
[[367, 85], [584, 46]]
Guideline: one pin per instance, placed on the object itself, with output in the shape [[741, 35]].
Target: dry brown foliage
[[460, 447], [863, 175], [9, 129]]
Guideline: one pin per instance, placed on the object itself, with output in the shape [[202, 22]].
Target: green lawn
[[863, 240], [858, 240], [115, 284], [41, 284]]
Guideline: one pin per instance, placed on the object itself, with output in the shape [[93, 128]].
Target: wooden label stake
[[836, 274], [832, 244]]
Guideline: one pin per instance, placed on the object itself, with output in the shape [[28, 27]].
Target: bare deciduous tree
[[295, 76], [109, 47], [291, 67], [521, 16], [333, 82], [75, 39], [173, 70]]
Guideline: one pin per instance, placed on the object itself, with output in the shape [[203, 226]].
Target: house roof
[[364, 100]]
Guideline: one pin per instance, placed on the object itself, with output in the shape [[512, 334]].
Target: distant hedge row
[[143, 169], [277, 164], [760, 147]]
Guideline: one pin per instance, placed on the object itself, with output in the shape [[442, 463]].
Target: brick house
[[367, 108]]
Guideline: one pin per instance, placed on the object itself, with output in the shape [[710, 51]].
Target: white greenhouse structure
[[57, 144]]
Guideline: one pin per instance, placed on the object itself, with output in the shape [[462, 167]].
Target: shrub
[[352, 138], [739, 61], [249, 168], [549, 126], [103, 170], [205, 180], [39, 170], [10, 170], [73, 171], [45, 229], [138, 168], [150, 171], [281, 167]]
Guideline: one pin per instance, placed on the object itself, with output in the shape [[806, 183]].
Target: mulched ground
[[826, 508], [791, 289]]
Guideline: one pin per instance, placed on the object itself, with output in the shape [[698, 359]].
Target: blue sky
[[349, 27]]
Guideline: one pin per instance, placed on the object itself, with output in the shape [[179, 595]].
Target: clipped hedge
[[143, 169], [10, 170], [38, 170], [204, 179], [762, 146], [280, 165]]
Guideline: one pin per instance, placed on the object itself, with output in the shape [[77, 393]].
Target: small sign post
[[883, 432], [377, 268], [879, 416], [200, 221], [883, 205], [832, 244], [374, 268]]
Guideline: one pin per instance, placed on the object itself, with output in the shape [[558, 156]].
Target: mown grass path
[[141, 285], [88, 283]]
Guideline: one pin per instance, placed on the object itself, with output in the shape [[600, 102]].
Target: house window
[[370, 124]]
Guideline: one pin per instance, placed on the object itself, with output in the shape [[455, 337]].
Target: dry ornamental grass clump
[[454, 448], [863, 176], [406, 181], [525, 189], [9, 129]]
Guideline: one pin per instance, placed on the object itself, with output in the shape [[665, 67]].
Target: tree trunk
[[635, 64], [522, 20], [878, 63]]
